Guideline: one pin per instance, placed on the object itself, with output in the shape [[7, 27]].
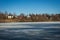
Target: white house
[[10, 17]]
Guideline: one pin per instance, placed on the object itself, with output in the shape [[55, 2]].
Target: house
[[10, 17], [20, 17]]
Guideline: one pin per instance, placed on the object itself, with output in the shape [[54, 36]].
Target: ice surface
[[30, 31], [27, 25]]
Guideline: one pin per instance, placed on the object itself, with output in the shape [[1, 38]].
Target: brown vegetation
[[29, 18]]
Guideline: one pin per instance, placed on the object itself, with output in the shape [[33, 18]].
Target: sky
[[30, 6]]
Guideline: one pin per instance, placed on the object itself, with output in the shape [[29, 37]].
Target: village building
[[10, 17]]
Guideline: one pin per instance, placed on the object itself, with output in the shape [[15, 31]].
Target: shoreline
[[54, 22], [26, 24]]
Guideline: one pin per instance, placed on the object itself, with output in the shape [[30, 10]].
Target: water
[[39, 31]]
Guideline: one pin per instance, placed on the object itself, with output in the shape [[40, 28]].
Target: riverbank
[[16, 20], [8, 20]]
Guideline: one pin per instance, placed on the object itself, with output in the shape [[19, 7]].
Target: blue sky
[[30, 6]]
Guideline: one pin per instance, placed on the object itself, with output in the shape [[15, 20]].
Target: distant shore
[[16, 20], [4, 18]]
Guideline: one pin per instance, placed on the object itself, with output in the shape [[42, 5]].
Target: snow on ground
[[23, 24], [32, 23]]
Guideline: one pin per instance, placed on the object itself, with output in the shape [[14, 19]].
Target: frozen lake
[[30, 31]]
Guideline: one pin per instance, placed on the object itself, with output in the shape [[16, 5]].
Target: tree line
[[31, 17]]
